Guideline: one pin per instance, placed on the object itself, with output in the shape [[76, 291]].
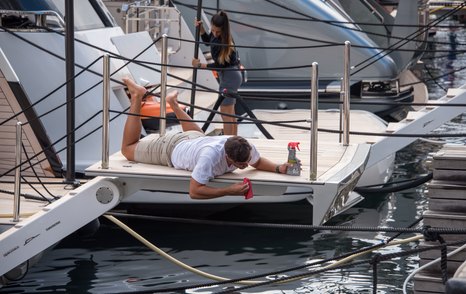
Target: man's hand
[[239, 188], [201, 191]]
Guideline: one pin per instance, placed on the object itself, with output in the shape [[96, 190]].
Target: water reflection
[[82, 276]]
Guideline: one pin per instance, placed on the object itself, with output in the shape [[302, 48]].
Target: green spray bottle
[[294, 169]]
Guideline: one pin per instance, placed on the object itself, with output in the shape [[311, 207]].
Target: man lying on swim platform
[[205, 156]]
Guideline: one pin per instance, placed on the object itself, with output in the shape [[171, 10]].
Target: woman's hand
[[198, 23], [196, 63]]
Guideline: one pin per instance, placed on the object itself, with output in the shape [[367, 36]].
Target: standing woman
[[225, 57]]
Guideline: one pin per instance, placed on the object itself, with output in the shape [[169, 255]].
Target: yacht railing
[[374, 10], [41, 18], [157, 20], [163, 86], [106, 112], [17, 188], [314, 121], [345, 95], [344, 109], [106, 101]]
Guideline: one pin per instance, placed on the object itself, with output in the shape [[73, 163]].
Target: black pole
[[212, 114], [70, 93], [196, 55], [251, 114], [243, 104]]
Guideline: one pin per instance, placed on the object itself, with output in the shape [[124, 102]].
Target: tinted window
[[85, 16]]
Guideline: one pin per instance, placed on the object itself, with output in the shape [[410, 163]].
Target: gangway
[[29, 237]]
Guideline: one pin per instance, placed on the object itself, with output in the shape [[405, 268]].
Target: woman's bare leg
[[132, 130], [230, 127], [185, 119]]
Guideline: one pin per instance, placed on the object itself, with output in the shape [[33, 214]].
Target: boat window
[[85, 15]]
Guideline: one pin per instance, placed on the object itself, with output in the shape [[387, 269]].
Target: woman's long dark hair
[[221, 21]]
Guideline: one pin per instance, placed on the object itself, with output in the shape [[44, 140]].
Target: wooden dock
[[447, 207]]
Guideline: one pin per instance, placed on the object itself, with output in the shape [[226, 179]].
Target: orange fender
[[152, 108]]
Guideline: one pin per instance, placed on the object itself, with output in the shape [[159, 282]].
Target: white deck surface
[[360, 121], [330, 157]]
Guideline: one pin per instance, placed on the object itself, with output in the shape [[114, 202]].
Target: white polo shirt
[[205, 157]]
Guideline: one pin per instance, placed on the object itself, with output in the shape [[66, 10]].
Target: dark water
[[111, 261]]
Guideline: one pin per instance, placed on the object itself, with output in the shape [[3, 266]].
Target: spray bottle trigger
[[293, 145]]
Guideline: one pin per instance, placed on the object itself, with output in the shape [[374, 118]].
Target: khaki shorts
[[159, 150]]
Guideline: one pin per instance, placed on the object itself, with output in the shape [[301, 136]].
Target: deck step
[[447, 189], [446, 220], [453, 205], [393, 127], [447, 196], [453, 262], [450, 160], [453, 92], [450, 174], [449, 164], [413, 115]]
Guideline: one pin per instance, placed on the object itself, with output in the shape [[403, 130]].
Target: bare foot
[[136, 91], [172, 98]]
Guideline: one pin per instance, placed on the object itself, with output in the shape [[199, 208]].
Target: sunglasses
[[239, 163]]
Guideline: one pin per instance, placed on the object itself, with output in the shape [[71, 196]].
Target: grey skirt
[[230, 81]]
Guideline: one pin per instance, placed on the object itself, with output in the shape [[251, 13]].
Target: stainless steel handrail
[[346, 96], [105, 112], [163, 85], [374, 11], [142, 14], [17, 190], [314, 120]]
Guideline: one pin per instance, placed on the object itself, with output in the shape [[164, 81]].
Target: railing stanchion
[[17, 191], [163, 85], [346, 100], [340, 108], [105, 112], [314, 120]]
